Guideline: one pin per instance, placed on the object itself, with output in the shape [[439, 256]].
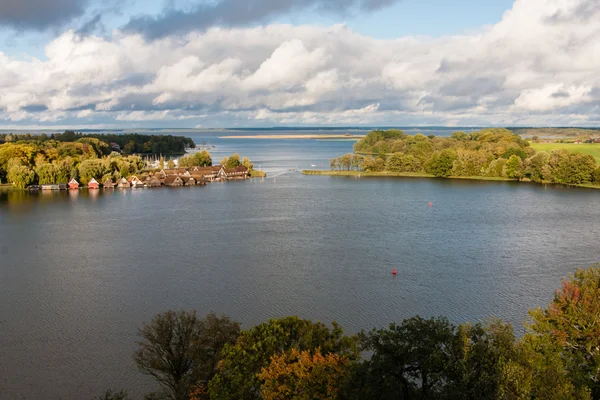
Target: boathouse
[[173, 180], [93, 184], [73, 184], [123, 183], [108, 184], [188, 180], [154, 182]]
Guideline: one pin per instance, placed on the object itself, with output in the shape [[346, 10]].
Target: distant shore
[[330, 137], [361, 174]]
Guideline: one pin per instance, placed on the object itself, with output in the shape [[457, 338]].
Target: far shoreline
[[330, 137], [383, 174]]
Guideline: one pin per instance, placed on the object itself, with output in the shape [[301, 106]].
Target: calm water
[[80, 272]]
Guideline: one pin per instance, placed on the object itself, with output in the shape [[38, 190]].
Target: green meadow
[[585, 148]]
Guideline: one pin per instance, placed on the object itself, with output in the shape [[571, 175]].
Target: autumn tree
[[170, 164], [565, 337], [304, 375], [237, 374], [181, 351]]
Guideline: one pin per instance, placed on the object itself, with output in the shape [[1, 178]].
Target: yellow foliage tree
[[303, 376]]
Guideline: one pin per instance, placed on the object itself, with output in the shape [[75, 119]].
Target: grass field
[[585, 148]]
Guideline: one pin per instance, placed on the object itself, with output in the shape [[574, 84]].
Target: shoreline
[[362, 174], [330, 137]]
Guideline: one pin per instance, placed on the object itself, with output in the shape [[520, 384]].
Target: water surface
[[80, 272]]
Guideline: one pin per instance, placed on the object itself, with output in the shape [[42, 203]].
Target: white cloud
[[538, 66]]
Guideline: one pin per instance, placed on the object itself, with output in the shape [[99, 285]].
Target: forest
[[129, 143], [196, 358], [493, 153]]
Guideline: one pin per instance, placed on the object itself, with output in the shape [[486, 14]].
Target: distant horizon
[[288, 128]]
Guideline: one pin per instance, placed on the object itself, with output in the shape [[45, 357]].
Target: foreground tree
[[564, 339], [408, 359], [304, 375], [181, 351], [237, 376]]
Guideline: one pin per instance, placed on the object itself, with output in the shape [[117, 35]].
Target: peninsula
[[489, 154]]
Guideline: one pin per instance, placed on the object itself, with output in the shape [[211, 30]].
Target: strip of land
[[355, 137], [361, 174]]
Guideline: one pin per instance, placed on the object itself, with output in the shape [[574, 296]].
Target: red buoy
[[394, 272], [430, 204]]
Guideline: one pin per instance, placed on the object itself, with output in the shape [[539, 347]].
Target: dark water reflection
[[80, 272]]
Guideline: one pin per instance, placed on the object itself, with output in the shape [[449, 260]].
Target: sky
[[76, 64]]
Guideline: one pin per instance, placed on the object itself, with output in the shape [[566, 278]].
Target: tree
[[161, 163], [411, 358], [233, 161], [304, 375], [441, 163], [20, 176], [46, 174], [596, 176], [514, 168], [459, 136], [181, 351], [170, 164], [237, 376], [566, 335], [93, 168], [248, 164]]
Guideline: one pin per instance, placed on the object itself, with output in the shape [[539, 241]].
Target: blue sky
[[219, 63], [405, 18]]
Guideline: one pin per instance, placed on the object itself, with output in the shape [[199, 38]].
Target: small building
[[135, 182], [154, 182], [73, 184], [160, 174], [123, 183], [93, 184], [175, 171], [108, 184], [173, 180], [51, 187], [200, 180], [188, 180], [232, 174]]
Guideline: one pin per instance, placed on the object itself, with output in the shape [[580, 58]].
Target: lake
[[81, 271]]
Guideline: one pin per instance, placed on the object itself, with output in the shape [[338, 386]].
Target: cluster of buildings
[[165, 177]]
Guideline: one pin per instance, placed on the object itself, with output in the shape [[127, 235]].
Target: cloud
[[39, 14], [240, 13], [521, 71]]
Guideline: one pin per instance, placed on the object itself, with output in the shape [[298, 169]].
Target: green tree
[[514, 168], [407, 360], [93, 168], [248, 164], [233, 161], [161, 163], [441, 163], [237, 376], [20, 176], [46, 174], [170, 164], [596, 176], [181, 351]]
